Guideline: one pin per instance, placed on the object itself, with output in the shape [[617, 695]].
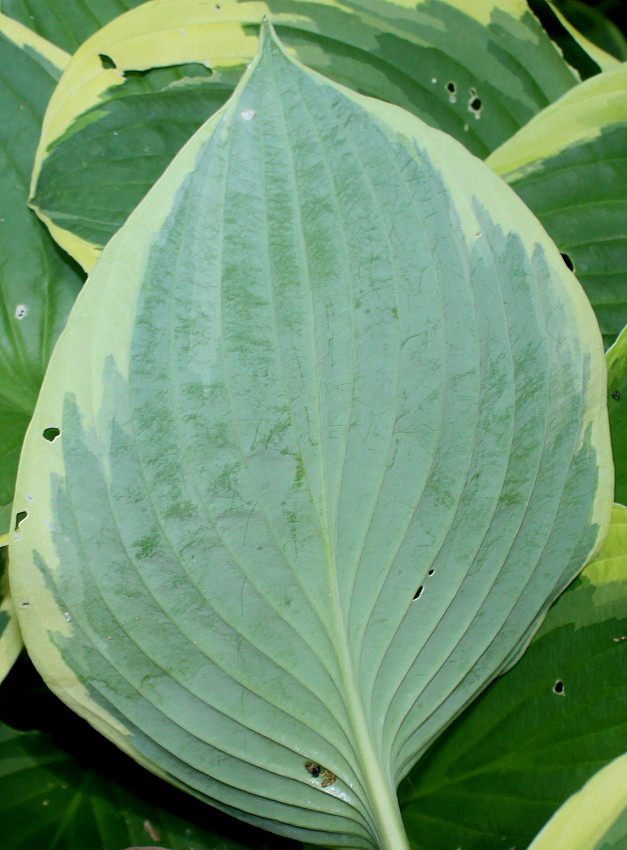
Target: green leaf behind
[[69, 22], [568, 165], [55, 798], [37, 284], [593, 819], [477, 71], [617, 404]]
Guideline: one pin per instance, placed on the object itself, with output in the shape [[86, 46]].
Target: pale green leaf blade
[[55, 797], [540, 731], [593, 819], [569, 167], [10, 635], [37, 285], [617, 405], [322, 465], [478, 71]]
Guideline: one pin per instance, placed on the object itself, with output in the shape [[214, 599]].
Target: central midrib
[[381, 800]]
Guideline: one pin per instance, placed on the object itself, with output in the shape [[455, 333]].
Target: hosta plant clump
[[324, 437]]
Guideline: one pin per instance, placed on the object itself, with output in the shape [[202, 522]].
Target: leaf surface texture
[[317, 475]]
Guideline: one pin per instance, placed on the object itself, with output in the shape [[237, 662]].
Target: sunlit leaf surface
[[325, 436]]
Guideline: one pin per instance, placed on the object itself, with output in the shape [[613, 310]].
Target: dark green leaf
[[37, 283], [66, 23], [617, 405]]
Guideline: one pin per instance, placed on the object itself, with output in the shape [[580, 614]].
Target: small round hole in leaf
[[568, 261], [51, 434], [106, 61], [558, 687], [418, 593], [20, 516]]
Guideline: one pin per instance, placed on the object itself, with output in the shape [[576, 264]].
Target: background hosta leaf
[[314, 454], [617, 405], [568, 164], [540, 731], [37, 285], [66, 23], [579, 52], [55, 798], [10, 637], [593, 819], [479, 71], [594, 25]]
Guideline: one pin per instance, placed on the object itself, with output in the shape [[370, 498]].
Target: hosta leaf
[[66, 23], [594, 26], [37, 285], [617, 403], [568, 164], [579, 52], [325, 436], [479, 71], [10, 637], [593, 819], [52, 798], [540, 731]]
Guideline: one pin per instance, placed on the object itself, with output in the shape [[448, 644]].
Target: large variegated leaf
[[477, 70], [593, 819], [538, 733], [324, 437], [568, 164], [37, 284]]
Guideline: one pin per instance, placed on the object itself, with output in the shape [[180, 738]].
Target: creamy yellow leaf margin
[[586, 818], [578, 116], [160, 33]]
